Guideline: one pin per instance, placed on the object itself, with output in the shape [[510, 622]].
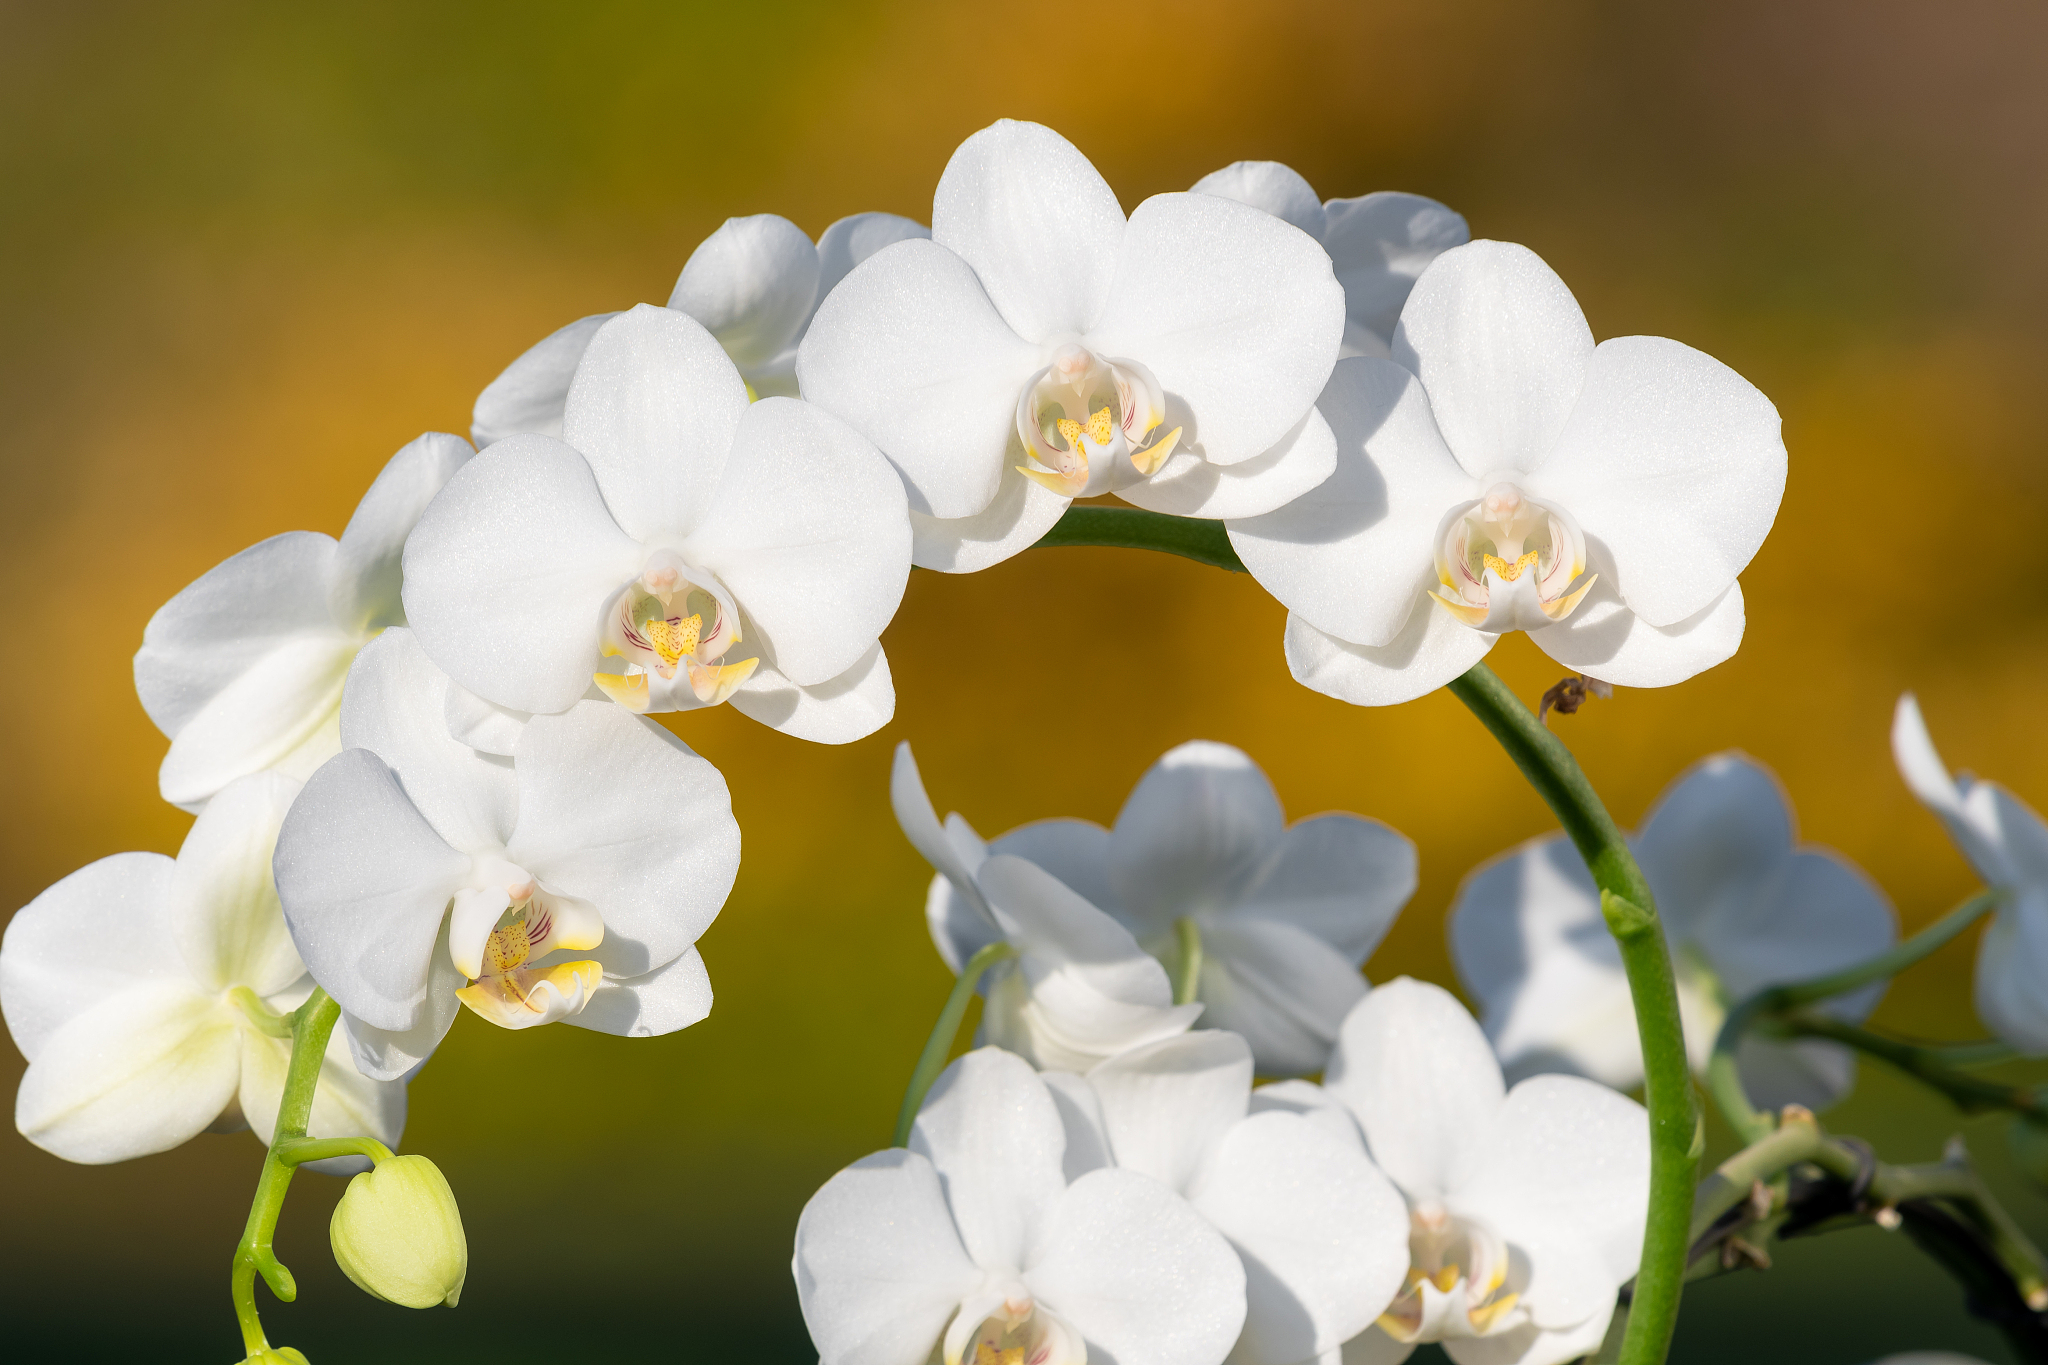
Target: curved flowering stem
[[1133, 528], [932, 1060], [1676, 1135], [1189, 982], [1968, 1093]]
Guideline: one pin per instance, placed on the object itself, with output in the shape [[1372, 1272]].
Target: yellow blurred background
[[247, 250]]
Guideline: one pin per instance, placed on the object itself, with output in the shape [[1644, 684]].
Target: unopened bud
[[2028, 1138], [398, 1234]]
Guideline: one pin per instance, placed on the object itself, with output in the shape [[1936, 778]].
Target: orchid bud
[[2029, 1141], [398, 1235]]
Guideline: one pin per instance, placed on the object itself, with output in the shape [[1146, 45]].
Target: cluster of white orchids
[[426, 779]]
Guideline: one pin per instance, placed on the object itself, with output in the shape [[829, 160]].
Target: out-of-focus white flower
[[142, 989], [569, 883], [2007, 843], [1377, 242], [755, 284], [1744, 907], [975, 1248], [243, 669], [1040, 347], [1078, 989], [1507, 474], [1526, 1206], [695, 545], [1286, 914], [1323, 1235]]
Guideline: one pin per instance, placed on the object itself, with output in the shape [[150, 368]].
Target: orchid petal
[[1075, 851], [839, 710], [1430, 650], [280, 714], [665, 1000], [365, 592], [1379, 243], [1340, 877], [920, 825], [1604, 639], [1714, 833], [751, 283], [1022, 512], [1928, 779], [222, 901], [1081, 1117], [2012, 962], [1284, 989], [994, 1135], [104, 930], [345, 1103], [851, 240], [1309, 1101], [530, 394], [1190, 486], [1164, 1105], [1271, 187], [1193, 834], [389, 1054]]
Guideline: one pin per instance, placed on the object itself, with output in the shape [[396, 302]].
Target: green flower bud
[[398, 1234], [2029, 1141]]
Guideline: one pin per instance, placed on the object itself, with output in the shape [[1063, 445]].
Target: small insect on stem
[[1568, 696]]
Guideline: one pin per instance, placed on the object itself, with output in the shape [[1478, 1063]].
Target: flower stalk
[[1189, 983], [932, 1060]]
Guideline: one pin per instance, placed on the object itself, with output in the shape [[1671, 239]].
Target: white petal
[[530, 394], [1165, 1104], [142, 1071], [1971, 823], [1340, 877], [396, 707], [1280, 986], [617, 812], [653, 409], [840, 710], [1075, 851], [345, 1104], [1190, 486], [365, 594], [991, 1129], [1323, 1235], [1195, 832], [280, 713], [1311, 1102], [223, 904], [2012, 963], [509, 572], [911, 353], [920, 825], [230, 617], [365, 882], [1143, 1276], [1379, 243], [879, 1268], [1531, 946], [1675, 463], [1604, 639], [1037, 223], [1808, 1072], [1566, 1155], [1417, 1072], [667, 999], [852, 240], [1502, 348], [809, 532], [482, 725], [1022, 512], [1271, 187], [960, 928], [1356, 555], [388, 1054], [1236, 313], [751, 283], [1081, 1117], [1374, 1347], [1529, 1344], [1814, 913], [1431, 650], [1718, 830], [103, 930]]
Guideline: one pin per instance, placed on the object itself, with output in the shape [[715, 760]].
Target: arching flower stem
[[1187, 984], [311, 1024], [1133, 528], [932, 1060]]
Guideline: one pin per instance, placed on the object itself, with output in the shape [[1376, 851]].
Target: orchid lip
[[673, 631], [1088, 422], [1508, 562], [1461, 1281], [503, 928]]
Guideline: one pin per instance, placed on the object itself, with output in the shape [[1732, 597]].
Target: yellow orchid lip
[[676, 629], [1507, 562], [1086, 421]]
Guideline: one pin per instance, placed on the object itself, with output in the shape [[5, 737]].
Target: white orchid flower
[[1042, 347], [145, 991], [1285, 915], [570, 883], [1378, 242], [2007, 843], [242, 670], [1526, 1206], [973, 1247], [699, 547], [755, 284], [1744, 907], [1323, 1235], [1077, 989], [1507, 474]]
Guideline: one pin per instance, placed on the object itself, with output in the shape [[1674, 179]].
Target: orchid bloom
[[974, 1247], [147, 995], [1323, 1235], [1377, 242], [1077, 988], [755, 284], [679, 547], [1526, 1206], [2007, 843], [1041, 347], [242, 670], [1744, 905], [1508, 474], [569, 883], [1284, 915]]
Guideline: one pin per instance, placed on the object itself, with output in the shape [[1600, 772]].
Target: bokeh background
[[247, 250]]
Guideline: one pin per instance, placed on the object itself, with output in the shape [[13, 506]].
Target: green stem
[[1676, 1136], [932, 1060], [1892, 961], [1131, 528], [265, 1019], [311, 1024], [1190, 983], [299, 1151], [1926, 1065]]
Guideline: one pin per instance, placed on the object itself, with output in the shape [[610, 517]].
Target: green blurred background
[[247, 250]]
